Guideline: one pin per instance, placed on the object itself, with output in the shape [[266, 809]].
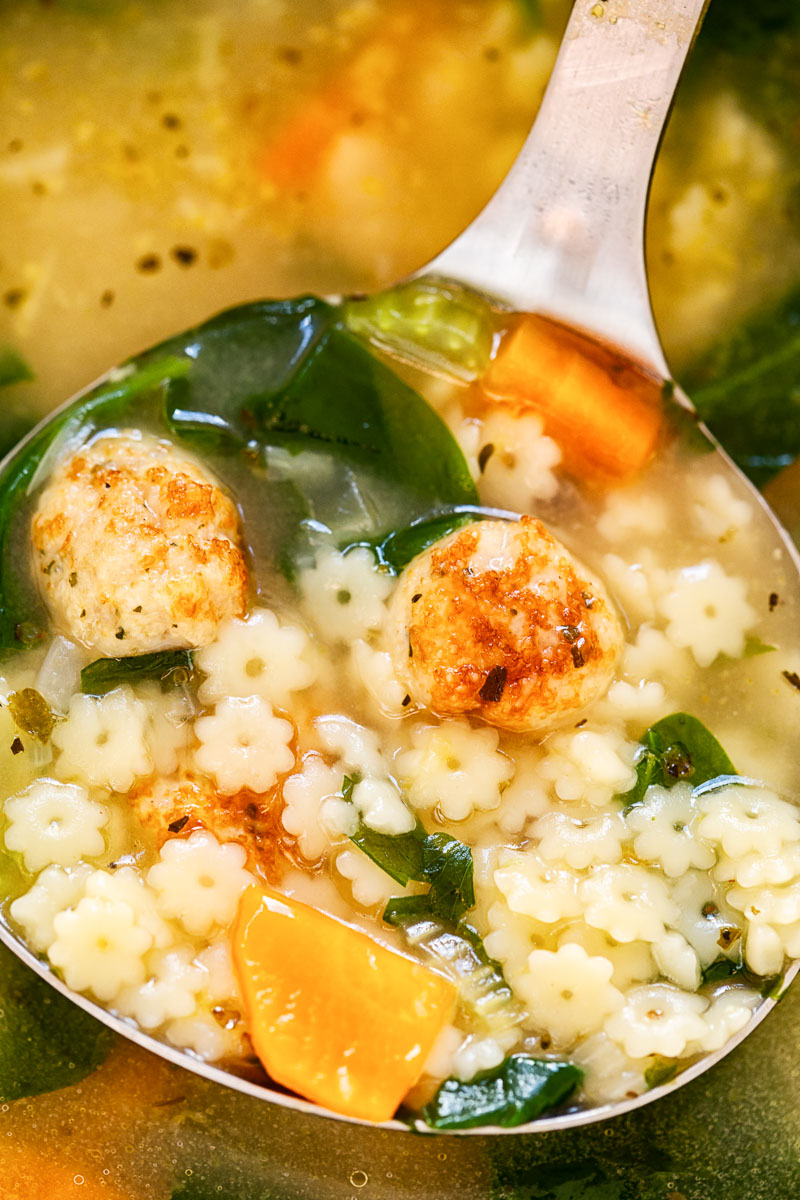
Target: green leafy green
[[519, 1090], [21, 617], [441, 325], [661, 1070], [399, 547], [721, 969], [169, 667], [447, 866], [677, 748], [13, 367], [46, 1041]]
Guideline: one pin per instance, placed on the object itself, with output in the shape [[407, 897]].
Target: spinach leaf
[[519, 1090], [21, 617], [447, 865], [661, 1070], [46, 1041], [677, 748], [399, 547], [399, 855], [13, 367], [170, 667], [746, 390]]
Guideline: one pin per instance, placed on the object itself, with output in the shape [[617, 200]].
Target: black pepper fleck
[[120, 634], [73, 578], [773, 600], [581, 723], [177, 825], [793, 678], [15, 145], [290, 55], [14, 297], [185, 256], [406, 700], [17, 746], [171, 120], [417, 596], [486, 453], [148, 264], [107, 299]]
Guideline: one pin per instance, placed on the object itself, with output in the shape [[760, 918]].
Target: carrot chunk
[[603, 410], [334, 1015]]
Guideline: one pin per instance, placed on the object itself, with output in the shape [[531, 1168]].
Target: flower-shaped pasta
[[103, 740], [199, 881], [99, 947], [580, 843], [170, 990], [717, 511], [476, 1054], [343, 594], [220, 985], [526, 796], [511, 938], [590, 765], [754, 869], [747, 820], [568, 993], [537, 888], [169, 735], [454, 768], [632, 961], [304, 795], [609, 1073], [382, 807], [256, 656], [771, 905], [54, 823], [369, 883], [517, 459], [631, 903], [790, 936], [653, 656], [638, 585], [658, 1019], [726, 1015], [631, 512], [645, 700], [763, 949], [127, 886], [54, 891], [244, 745], [357, 747], [663, 827], [677, 960], [374, 671], [203, 1035], [706, 920], [707, 611]]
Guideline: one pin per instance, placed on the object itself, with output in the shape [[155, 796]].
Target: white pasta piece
[[219, 983], [590, 766], [382, 807], [707, 612], [99, 947], [677, 960], [304, 795], [755, 870], [375, 673], [629, 902], [53, 823], [356, 746], [790, 936], [511, 938], [169, 992], [127, 886], [763, 949], [103, 740], [658, 1018], [526, 796], [708, 923], [454, 768], [244, 745], [169, 734], [747, 820], [653, 656], [370, 885], [439, 1063], [631, 512], [580, 843], [637, 585], [202, 1034], [568, 993], [477, 1054], [609, 1073], [773, 905], [632, 961], [518, 461], [199, 881], [257, 656], [717, 512], [643, 702], [55, 891], [537, 888], [343, 594], [663, 824], [727, 1014]]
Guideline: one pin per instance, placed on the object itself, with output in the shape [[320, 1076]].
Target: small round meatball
[[500, 620], [136, 548]]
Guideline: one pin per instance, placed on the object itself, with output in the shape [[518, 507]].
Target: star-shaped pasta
[[257, 656], [745, 820], [518, 461], [707, 612], [537, 888], [343, 595], [664, 826], [199, 881], [569, 994], [580, 843], [658, 1018], [127, 885], [454, 768], [677, 960], [99, 947], [170, 990], [592, 765], [54, 891], [244, 745], [629, 902], [104, 740], [727, 1014], [53, 823], [304, 796]]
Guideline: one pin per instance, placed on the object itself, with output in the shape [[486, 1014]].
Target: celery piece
[[441, 326]]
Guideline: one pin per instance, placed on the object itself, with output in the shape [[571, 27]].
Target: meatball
[[500, 620], [137, 548]]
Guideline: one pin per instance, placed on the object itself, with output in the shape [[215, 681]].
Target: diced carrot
[[334, 1015], [603, 410], [295, 156]]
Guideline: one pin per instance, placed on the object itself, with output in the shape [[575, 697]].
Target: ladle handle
[[564, 234]]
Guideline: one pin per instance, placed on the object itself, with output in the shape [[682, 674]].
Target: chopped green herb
[[169, 667], [13, 367], [677, 748], [661, 1070], [32, 714], [517, 1091]]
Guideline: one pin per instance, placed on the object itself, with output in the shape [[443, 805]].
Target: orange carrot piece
[[334, 1015], [294, 158], [604, 411]]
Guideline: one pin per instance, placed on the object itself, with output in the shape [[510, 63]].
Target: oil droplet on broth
[[359, 1179]]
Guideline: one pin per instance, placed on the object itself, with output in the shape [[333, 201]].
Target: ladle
[[564, 237]]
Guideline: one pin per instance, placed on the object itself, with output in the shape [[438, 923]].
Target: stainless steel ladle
[[564, 237]]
